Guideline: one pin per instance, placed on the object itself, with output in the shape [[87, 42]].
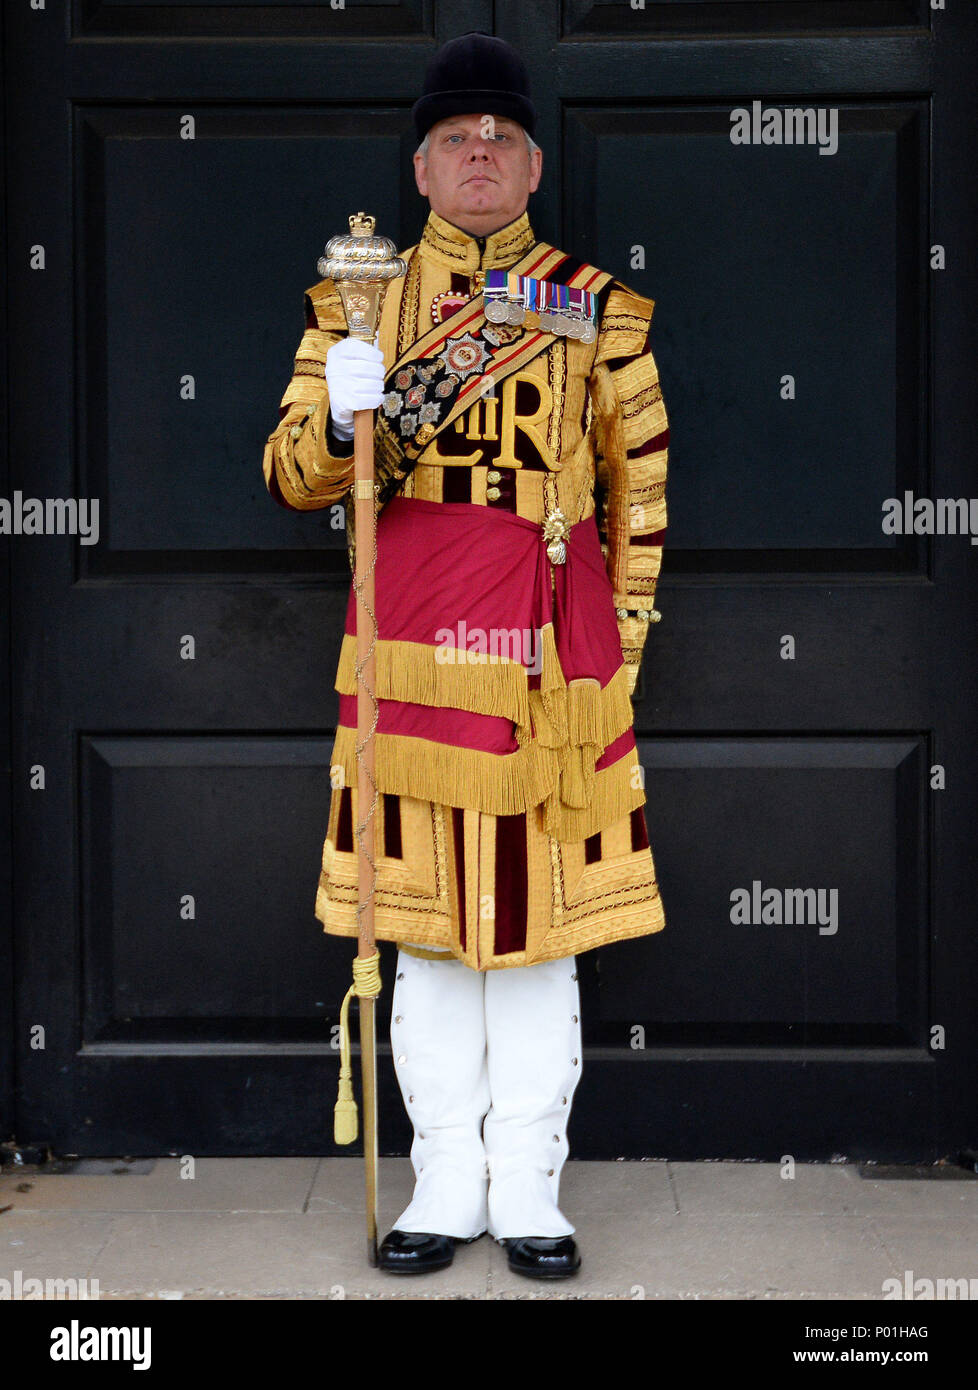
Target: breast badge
[[445, 304]]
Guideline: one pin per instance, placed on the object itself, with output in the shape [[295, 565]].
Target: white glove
[[355, 380]]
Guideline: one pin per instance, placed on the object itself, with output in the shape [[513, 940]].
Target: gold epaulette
[[325, 299], [625, 324]]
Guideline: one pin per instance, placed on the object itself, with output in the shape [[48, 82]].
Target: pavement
[[293, 1228]]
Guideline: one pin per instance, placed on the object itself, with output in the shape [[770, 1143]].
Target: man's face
[[479, 173]]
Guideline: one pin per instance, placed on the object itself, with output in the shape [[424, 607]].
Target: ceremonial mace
[[361, 267]]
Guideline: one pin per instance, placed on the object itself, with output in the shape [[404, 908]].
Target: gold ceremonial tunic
[[577, 426]]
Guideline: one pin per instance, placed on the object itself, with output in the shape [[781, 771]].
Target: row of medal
[[518, 299]]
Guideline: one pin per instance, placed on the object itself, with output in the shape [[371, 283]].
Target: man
[[521, 445]]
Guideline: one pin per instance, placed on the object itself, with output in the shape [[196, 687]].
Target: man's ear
[[536, 169], [421, 174]]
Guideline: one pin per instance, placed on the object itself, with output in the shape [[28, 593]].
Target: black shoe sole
[[414, 1269], [546, 1273]]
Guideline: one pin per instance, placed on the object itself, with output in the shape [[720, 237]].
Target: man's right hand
[[355, 381]]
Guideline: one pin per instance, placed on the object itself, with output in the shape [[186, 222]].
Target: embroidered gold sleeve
[[304, 467], [631, 434]]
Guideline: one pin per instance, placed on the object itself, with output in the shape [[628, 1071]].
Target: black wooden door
[[807, 710]]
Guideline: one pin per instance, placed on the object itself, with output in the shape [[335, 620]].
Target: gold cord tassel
[[366, 985]]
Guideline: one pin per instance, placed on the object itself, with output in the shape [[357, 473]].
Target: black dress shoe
[[543, 1257], [417, 1252]]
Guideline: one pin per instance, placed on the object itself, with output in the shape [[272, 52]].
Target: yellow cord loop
[[366, 985]]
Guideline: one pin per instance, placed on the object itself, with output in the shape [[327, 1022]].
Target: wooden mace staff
[[362, 266]]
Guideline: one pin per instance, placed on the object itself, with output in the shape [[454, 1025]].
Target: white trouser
[[438, 1037], [487, 1063]]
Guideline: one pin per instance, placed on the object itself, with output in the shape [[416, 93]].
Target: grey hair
[[423, 148]]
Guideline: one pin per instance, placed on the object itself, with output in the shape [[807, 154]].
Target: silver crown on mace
[[361, 265]]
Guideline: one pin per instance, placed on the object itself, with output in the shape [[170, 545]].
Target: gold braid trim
[[446, 245], [421, 953], [641, 401], [521, 238], [407, 328], [557, 367]]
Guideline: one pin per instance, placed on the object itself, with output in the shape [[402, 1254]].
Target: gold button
[[295, 431], [655, 616], [424, 434], [622, 612], [493, 475], [492, 493]]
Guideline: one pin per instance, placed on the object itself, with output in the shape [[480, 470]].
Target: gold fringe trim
[[557, 714], [612, 794], [561, 730], [502, 784], [476, 682], [582, 712]]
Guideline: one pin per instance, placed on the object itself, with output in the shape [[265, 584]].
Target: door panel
[[174, 681]]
